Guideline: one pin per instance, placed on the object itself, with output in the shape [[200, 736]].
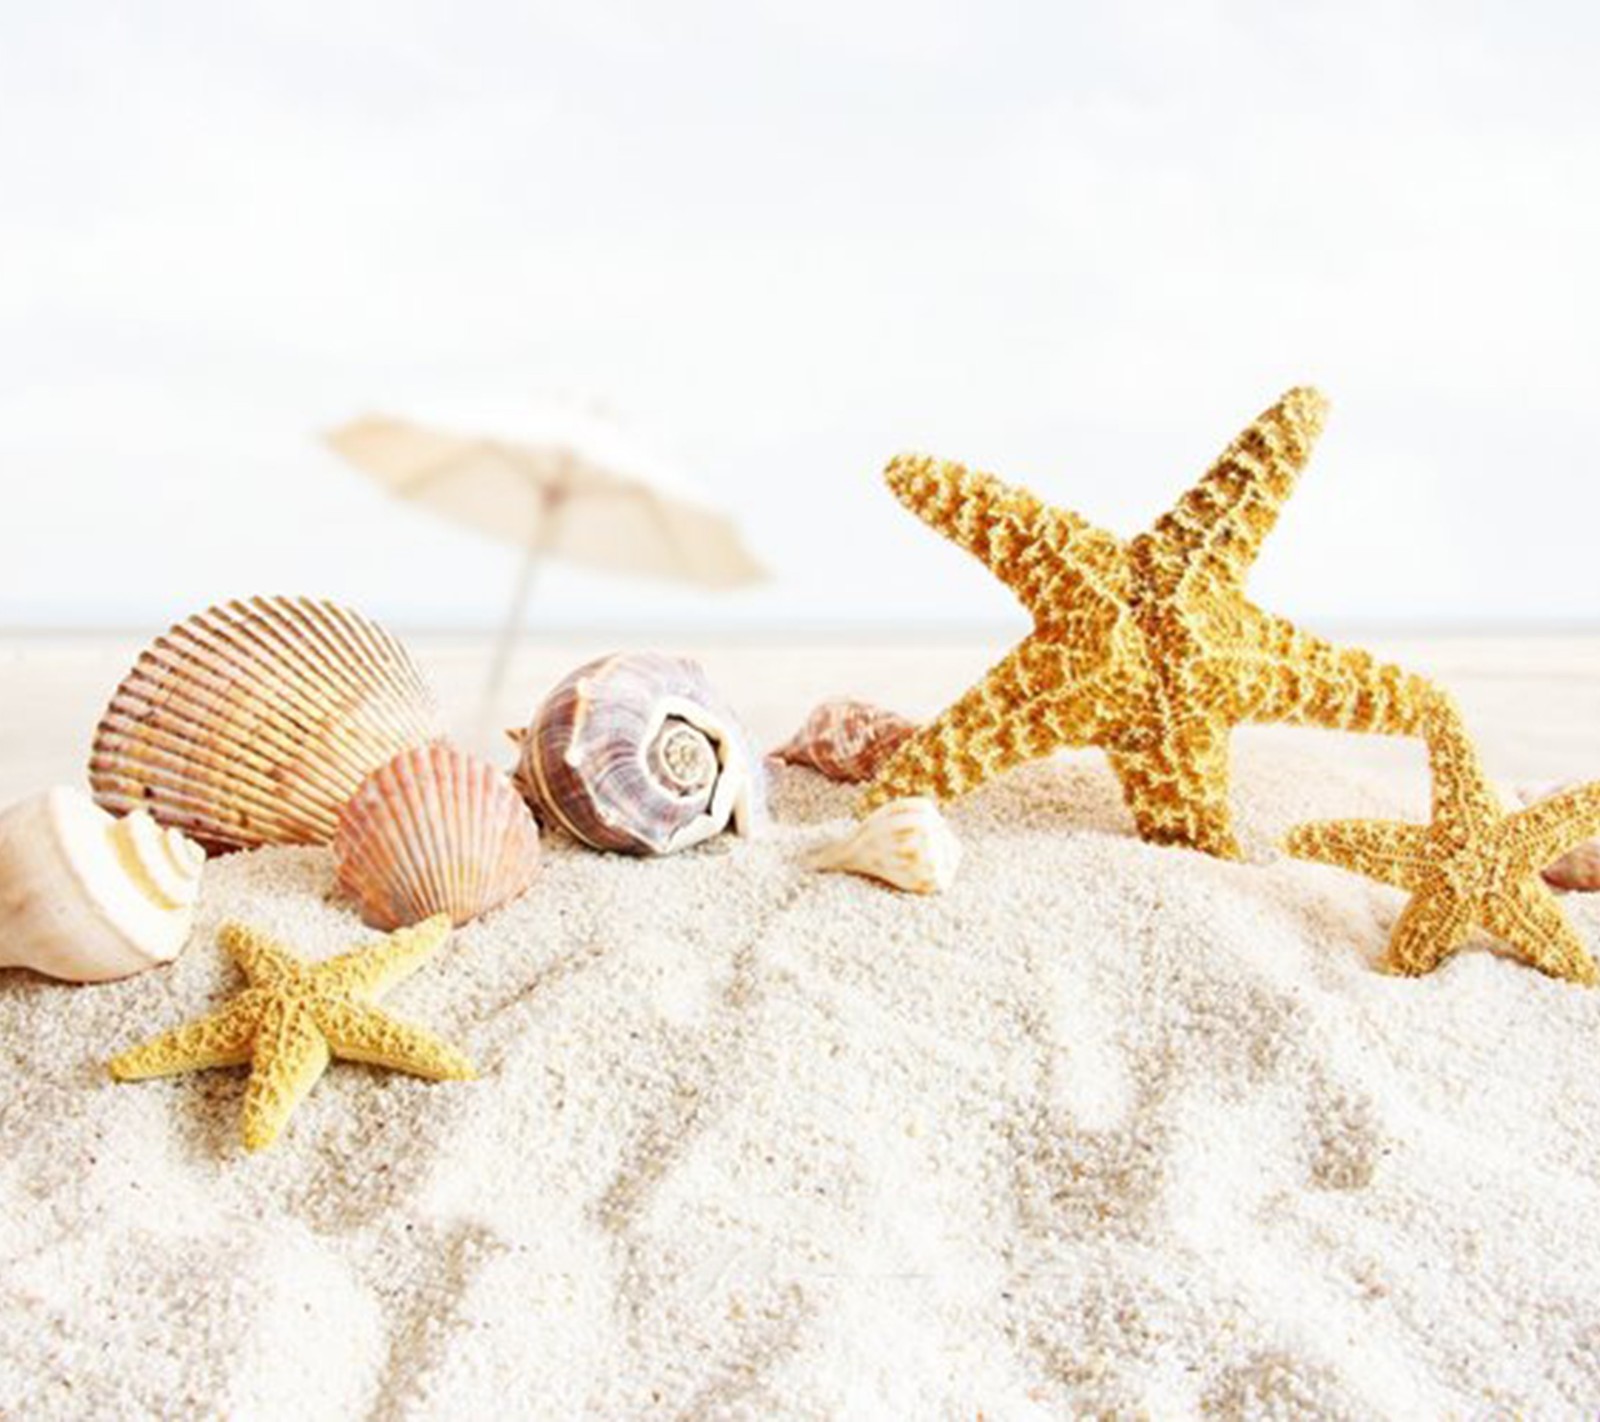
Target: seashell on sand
[[252, 723], [1578, 870], [637, 753], [907, 843], [434, 830], [847, 740], [87, 897]]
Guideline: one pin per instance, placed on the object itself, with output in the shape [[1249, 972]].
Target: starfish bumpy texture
[[1474, 865], [1147, 648], [297, 1015]]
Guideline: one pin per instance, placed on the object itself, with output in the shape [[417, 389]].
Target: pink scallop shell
[[434, 830]]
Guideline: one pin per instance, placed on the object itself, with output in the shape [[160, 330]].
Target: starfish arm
[[1545, 831], [261, 958], [1529, 921], [1380, 849], [1430, 928], [1020, 711], [1176, 786], [1217, 528], [361, 1033], [1464, 803], [372, 970], [1285, 675], [1044, 555], [289, 1059], [223, 1038]]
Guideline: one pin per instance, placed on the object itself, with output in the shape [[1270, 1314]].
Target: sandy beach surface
[[1105, 1130]]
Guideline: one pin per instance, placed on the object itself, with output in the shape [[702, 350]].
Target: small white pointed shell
[[252, 723], [86, 897], [434, 830], [847, 740], [637, 753], [1578, 870], [906, 843]]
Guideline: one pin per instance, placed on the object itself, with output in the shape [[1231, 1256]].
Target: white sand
[[1107, 1128]]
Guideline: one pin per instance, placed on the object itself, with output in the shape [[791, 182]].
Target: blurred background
[[1078, 245]]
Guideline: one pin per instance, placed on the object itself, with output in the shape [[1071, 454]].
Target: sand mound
[[1106, 1128]]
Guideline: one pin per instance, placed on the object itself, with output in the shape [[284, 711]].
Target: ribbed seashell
[[252, 723], [906, 843], [1578, 870], [434, 830], [88, 897], [847, 740], [636, 753]]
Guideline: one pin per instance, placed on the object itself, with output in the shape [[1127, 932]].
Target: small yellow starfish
[[1474, 865], [1149, 648], [297, 1015]]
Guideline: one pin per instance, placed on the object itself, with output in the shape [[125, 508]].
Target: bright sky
[[1077, 245]]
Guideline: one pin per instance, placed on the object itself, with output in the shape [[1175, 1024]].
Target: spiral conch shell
[[1578, 870], [846, 740], [253, 723], [87, 897], [636, 753], [434, 831], [907, 844]]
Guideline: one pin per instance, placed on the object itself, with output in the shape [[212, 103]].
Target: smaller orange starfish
[[296, 1016], [1474, 865]]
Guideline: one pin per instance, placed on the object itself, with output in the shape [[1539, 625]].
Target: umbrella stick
[[509, 634]]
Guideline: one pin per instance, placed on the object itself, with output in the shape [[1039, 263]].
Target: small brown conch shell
[[434, 830], [636, 753], [1578, 869], [847, 740], [906, 843], [253, 723], [86, 897]]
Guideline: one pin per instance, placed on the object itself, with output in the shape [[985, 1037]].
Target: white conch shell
[[87, 897], [252, 723], [434, 830], [637, 753], [906, 843], [1577, 870]]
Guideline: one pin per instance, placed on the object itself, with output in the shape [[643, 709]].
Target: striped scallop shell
[[636, 753], [847, 740], [906, 843], [253, 722], [434, 830]]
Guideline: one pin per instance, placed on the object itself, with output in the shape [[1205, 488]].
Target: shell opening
[[160, 864], [683, 759]]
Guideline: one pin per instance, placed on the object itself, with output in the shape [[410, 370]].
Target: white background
[[1076, 245]]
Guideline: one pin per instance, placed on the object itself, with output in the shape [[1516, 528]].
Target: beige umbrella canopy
[[577, 493]]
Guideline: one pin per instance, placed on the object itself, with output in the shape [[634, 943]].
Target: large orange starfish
[[1148, 648], [1473, 865]]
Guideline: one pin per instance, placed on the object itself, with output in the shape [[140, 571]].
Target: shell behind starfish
[[1578, 870], [846, 739]]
